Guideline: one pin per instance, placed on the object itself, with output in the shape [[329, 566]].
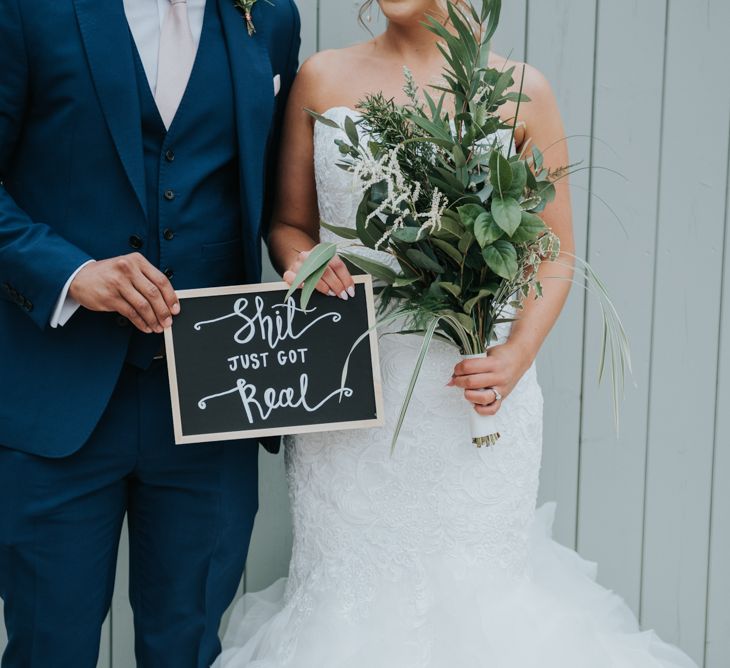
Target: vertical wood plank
[[105, 653], [561, 44], [3, 634], [717, 637], [627, 138], [122, 632], [509, 40], [338, 25], [686, 323], [308, 12], [268, 558]]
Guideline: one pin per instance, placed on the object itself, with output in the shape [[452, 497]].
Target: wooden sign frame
[[181, 438]]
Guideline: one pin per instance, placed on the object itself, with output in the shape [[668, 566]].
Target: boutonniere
[[246, 7]]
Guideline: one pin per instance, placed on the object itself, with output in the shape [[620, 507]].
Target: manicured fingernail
[[175, 308], [451, 382], [351, 291], [330, 293], [343, 295], [167, 322]]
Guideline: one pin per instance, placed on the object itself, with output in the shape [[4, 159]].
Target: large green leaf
[[486, 230], [501, 258], [420, 259], [469, 213], [507, 213], [530, 228], [519, 178], [318, 259]]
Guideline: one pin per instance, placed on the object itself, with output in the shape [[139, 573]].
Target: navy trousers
[[190, 512]]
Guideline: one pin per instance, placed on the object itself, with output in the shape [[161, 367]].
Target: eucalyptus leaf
[[420, 259], [408, 235], [318, 258], [372, 267], [448, 249], [351, 131], [322, 119], [343, 232], [310, 284]]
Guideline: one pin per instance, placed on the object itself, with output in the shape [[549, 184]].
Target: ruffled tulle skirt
[[555, 616]]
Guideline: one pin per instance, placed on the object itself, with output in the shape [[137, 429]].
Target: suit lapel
[[254, 99], [105, 34]]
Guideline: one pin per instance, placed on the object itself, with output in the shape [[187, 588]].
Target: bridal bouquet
[[455, 208]]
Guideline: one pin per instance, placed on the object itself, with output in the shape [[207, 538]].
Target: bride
[[433, 557]]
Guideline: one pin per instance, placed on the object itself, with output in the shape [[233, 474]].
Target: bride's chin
[[408, 11]]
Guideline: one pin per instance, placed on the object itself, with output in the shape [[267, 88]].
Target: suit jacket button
[[169, 155], [168, 234], [121, 321], [169, 195], [168, 272], [136, 242]]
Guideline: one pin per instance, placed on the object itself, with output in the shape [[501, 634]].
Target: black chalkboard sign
[[245, 363]]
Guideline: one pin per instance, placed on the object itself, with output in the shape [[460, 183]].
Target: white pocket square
[[277, 84]]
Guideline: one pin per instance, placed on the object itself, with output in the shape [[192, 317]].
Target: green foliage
[[444, 195]]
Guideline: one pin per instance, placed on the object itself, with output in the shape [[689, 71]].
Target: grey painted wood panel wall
[[644, 91]]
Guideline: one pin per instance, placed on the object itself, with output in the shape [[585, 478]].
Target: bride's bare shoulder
[[327, 78]]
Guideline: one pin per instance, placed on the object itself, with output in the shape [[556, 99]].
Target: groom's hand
[[128, 285]]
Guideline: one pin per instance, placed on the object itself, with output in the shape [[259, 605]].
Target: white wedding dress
[[433, 557]]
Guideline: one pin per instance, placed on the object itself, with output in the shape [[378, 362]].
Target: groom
[[136, 140]]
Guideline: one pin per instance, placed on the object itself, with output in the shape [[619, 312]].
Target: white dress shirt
[[145, 19]]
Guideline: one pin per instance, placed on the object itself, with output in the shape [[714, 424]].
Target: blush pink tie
[[177, 53]]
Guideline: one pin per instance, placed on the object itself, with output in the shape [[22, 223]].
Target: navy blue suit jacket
[[73, 189]]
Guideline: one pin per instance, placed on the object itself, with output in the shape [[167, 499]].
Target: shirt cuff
[[66, 306]]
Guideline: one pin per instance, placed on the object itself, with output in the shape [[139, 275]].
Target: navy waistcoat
[[191, 169]]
